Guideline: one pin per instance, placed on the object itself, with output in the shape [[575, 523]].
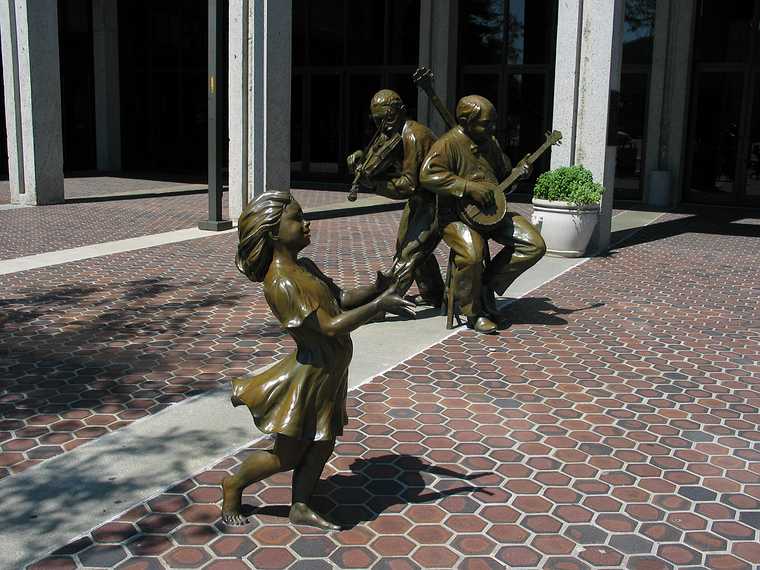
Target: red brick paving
[[615, 425], [91, 346], [28, 231]]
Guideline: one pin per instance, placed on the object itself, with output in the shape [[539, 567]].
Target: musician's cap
[[471, 106]]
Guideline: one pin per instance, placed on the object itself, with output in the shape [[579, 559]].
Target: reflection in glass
[[324, 115], [516, 32], [752, 185], [525, 118], [634, 88], [481, 31], [723, 28], [638, 37], [714, 148]]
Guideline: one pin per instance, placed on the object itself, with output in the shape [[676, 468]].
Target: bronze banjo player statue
[[464, 168]]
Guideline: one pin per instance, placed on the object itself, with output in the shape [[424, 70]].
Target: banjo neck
[[528, 160]]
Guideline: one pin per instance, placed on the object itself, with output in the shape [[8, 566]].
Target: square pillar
[[31, 74], [589, 59], [259, 99], [438, 52], [105, 40]]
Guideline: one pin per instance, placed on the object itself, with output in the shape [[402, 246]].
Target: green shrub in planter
[[573, 184]]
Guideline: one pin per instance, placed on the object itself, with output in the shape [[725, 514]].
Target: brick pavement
[[91, 346], [613, 425], [94, 345], [85, 186], [28, 231]]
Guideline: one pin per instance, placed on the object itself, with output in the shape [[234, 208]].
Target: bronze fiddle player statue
[[302, 398], [390, 168], [467, 162]]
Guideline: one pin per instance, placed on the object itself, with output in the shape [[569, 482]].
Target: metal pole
[[216, 130]]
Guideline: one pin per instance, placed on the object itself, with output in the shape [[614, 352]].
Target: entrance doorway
[[724, 143]]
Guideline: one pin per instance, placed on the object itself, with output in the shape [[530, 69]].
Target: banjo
[[470, 212]]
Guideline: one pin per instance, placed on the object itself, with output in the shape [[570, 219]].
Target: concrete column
[[589, 58], [668, 118], [438, 52], [259, 91], [29, 35], [566, 73], [105, 40]]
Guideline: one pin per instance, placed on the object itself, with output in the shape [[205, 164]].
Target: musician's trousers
[[418, 235], [523, 247]]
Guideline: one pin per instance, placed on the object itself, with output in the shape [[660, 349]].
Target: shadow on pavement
[[89, 346], [725, 222], [376, 485], [43, 502]]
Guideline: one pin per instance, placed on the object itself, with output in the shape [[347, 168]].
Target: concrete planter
[[566, 228]]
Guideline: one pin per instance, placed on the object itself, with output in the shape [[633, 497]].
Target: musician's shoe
[[421, 301], [482, 325]]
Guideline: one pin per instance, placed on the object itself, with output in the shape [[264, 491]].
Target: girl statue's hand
[[384, 281], [391, 302]]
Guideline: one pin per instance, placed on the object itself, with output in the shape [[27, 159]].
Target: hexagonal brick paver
[[606, 427]]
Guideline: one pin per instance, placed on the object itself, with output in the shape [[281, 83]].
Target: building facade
[[660, 98]]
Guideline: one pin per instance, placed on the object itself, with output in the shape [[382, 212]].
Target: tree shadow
[[88, 346], [45, 508], [376, 485]]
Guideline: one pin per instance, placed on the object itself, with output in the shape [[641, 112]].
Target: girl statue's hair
[[257, 224]]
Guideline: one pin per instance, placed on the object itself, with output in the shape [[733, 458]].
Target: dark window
[[506, 50], [638, 42], [365, 33], [723, 30], [344, 52], [404, 27], [77, 84], [752, 155], [326, 32], [717, 106], [723, 157], [163, 69]]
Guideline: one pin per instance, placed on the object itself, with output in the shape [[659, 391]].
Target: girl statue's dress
[[302, 396]]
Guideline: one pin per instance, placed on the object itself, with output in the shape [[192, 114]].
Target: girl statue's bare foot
[[231, 504], [301, 513]]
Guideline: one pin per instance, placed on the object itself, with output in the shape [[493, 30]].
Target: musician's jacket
[[417, 140], [453, 161]]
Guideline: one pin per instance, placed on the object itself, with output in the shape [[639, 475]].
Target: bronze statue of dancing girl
[[302, 398]]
